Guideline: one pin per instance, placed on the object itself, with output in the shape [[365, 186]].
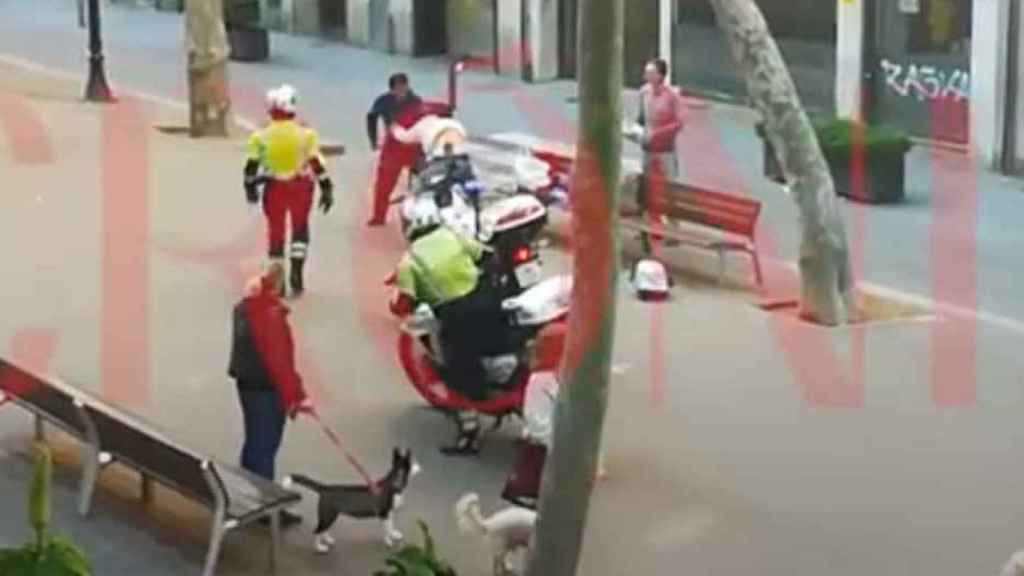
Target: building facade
[[943, 70]]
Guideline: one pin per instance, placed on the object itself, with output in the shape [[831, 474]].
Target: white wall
[[849, 58], [666, 18], [401, 15], [358, 21], [542, 19], [988, 79], [510, 37]]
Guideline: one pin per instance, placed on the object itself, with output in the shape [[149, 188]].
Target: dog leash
[[336, 440]]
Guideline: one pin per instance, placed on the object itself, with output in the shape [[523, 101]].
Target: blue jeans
[[264, 427]]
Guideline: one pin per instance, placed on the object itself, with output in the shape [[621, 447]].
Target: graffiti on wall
[[926, 83]]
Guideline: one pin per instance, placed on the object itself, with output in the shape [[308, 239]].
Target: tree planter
[[248, 44], [170, 5], [882, 158], [248, 39]]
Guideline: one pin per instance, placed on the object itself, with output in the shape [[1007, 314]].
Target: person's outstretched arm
[[377, 111]]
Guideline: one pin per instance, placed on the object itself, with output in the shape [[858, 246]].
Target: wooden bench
[[696, 217], [110, 434]]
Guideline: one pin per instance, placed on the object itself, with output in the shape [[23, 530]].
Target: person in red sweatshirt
[[262, 364]]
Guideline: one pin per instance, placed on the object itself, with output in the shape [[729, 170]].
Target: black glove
[[251, 181], [252, 193], [326, 194]]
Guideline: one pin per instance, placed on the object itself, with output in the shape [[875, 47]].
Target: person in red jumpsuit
[[401, 106]]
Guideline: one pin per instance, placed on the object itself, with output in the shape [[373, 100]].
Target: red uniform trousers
[[292, 199], [393, 159]]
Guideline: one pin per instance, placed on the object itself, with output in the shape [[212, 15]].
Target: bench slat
[[39, 396]]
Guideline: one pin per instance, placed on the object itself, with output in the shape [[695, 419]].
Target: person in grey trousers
[[660, 118]]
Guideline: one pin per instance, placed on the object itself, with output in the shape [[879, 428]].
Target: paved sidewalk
[[954, 240], [735, 444]]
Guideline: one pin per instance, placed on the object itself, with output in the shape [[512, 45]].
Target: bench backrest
[[726, 212], [42, 397], [134, 441]]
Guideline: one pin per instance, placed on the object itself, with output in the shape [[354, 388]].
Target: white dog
[[1015, 566], [508, 531]]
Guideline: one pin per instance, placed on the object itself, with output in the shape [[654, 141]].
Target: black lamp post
[[96, 90]]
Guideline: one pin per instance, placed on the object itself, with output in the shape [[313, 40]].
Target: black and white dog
[[360, 500]]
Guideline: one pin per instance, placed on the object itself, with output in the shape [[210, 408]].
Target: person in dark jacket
[[401, 106], [262, 364]]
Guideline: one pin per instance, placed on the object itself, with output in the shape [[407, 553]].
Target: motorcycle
[[510, 226], [422, 356]]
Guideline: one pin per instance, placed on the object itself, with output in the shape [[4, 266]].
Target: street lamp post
[[96, 90]]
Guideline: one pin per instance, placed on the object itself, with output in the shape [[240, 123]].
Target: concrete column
[[988, 79], [510, 38], [358, 22], [305, 16], [850, 58], [401, 12], [1018, 131], [288, 16], [666, 19], [542, 20]]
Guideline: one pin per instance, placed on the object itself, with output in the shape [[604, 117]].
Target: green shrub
[[44, 556], [414, 560], [837, 137]]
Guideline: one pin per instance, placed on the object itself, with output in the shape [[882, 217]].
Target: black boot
[[295, 280], [467, 443]]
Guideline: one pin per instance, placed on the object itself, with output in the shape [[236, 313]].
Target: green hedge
[[836, 136], [242, 13]]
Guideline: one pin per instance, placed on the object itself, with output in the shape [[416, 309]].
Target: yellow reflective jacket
[[285, 148]]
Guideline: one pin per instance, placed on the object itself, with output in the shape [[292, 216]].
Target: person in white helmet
[[286, 155], [441, 269]]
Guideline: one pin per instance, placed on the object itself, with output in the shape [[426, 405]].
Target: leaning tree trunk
[[825, 274], [207, 51], [586, 368]]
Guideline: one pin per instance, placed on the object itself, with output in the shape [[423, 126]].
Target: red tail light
[[522, 255]]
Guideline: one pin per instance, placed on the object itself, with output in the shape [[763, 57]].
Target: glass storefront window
[[940, 27]]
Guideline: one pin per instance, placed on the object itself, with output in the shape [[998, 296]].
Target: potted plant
[[44, 555], [248, 40], [415, 560], [882, 159]]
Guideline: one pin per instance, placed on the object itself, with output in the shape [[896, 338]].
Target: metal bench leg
[[90, 474], [757, 268], [721, 265], [216, 537], [91, 460], [275, 540], [146, 489]]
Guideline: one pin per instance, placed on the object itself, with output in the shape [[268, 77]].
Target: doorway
[[333, 16], [919, 66], [640, 39], [567, 38]]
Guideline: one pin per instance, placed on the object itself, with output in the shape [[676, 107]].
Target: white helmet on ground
[[284, 98]]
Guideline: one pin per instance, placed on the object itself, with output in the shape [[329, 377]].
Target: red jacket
[[263, 350]]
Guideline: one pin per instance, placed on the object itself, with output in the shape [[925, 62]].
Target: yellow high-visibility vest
[[285, 148]]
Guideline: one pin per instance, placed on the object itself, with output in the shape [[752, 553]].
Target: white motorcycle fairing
[[543, 303]]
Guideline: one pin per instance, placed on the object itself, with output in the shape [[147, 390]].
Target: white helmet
[[284, 98], [421, 215]]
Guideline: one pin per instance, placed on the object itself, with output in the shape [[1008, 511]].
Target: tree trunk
[[206, 45], [825, 275], [586, 369]]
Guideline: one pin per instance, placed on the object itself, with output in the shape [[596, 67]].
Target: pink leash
[[336, 440]]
